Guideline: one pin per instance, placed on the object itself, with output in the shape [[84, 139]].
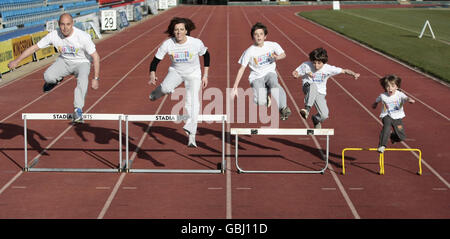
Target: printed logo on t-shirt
[[265, 59], [184, 56], [68, 50], [319, 77], [394, 106]]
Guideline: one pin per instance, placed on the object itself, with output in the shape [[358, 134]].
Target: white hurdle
[[69, 116], [218, 118], [275, 131]]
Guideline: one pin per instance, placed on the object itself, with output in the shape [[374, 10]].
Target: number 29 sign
[[109, 20]]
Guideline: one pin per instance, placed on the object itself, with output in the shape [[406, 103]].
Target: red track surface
[[361, 193]]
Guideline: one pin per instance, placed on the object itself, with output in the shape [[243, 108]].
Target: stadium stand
[[24, 22], [23, 13], [81, 8]]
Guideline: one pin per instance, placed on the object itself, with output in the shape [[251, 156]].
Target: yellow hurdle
[[381, 157]]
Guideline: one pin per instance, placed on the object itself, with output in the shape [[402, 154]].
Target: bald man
[[77, 51]]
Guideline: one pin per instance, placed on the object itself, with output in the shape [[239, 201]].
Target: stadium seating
[[23, 16], [22, 13], [81, 8], [8, 5]]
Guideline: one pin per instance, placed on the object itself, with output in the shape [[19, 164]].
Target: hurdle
[[69, 116], [273, 131], [381, 157], [173, 118]]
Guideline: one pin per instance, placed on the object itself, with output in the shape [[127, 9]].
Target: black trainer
[[394, 138], [49, 86]]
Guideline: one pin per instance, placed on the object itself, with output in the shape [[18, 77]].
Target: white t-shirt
[[320, 77], [184, 57], [260, 59], [76, 48], [392, 105]]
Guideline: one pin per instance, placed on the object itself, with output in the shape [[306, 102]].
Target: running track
[[361, 193]]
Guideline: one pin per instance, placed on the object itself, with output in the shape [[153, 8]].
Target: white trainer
[[192, 142]]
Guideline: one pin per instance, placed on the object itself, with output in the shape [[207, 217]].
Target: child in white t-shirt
[[261, 57], [315, 74], [392, 112]]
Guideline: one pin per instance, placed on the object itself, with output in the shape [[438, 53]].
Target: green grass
[[395, 32]]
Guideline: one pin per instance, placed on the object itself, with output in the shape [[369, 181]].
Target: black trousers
[[398, 133]]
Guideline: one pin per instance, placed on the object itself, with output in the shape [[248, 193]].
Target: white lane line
[[439, 189], [356, 189], [19, 187], [10, 182], [109, 54], [92, 106], [67, 129], [403, 142], [215, 188], [365, 67], [33, 101], [96, 102], [391, 25], [65, 81], [129, 188], [228, 150], [243, 188], [122, 176], [328, 189], [374, 73], [335, 177], [111, 196], [365, 108]]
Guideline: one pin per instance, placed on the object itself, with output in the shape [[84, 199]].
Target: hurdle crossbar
[[381, 157], [173, 118], [274, 131], [69, 116]]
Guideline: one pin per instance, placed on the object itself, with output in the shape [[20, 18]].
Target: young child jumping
[[261, 57], [314, 74], [392, 113]]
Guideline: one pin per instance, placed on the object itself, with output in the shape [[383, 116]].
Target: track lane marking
[[98, 42], [72, 77], [332, 171], [57, 138], [229, 207], [111, 197], [365, 67], [364, 107]]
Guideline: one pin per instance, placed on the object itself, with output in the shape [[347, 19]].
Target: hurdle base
[[205, 171], [322, 171], [281, 172], [271, 131], [96, 170], [220, 167], [381, 157], [65, 117]]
